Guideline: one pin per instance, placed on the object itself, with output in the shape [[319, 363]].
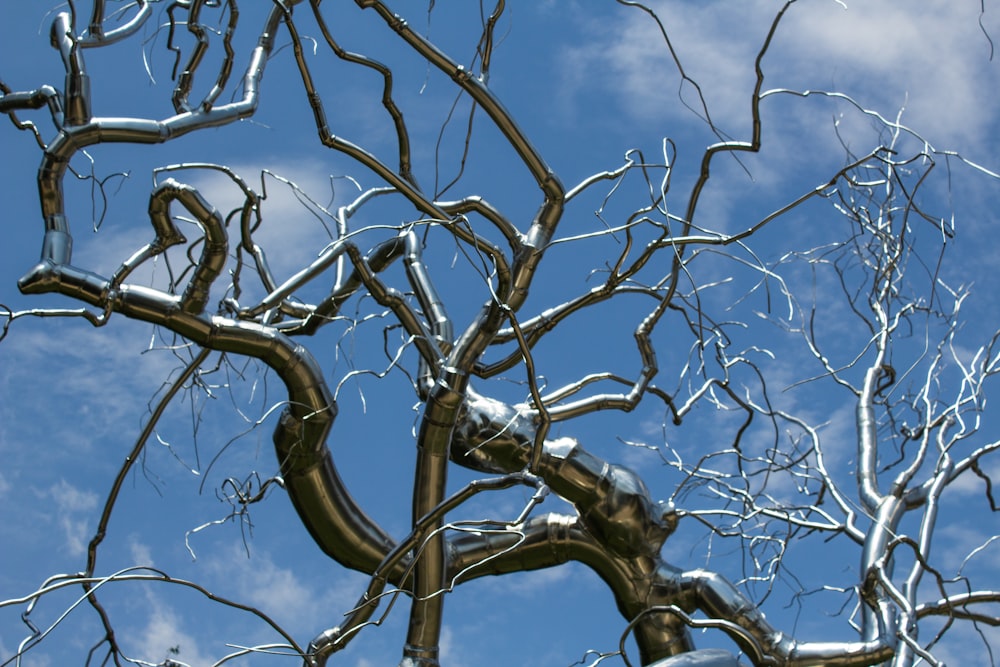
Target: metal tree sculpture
[[765, 493]]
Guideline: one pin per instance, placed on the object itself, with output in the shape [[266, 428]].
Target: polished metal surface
[[618, 529]]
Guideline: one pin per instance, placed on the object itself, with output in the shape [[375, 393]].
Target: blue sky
[[587, 82]]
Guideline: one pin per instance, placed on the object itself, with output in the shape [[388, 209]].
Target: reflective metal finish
[[618, 529]]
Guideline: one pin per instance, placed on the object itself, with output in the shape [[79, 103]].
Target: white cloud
[[141, 553], [955, 540], [451, 652], [74, 507], [98, 376], [71, 499], [965, 644], [165, 635], [537, 582], [970, 484], [712, 46], [280, 591], [929, 57], [75, 531], [293, 229]]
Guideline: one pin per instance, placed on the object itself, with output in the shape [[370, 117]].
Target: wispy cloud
[[74, 514], [279, 591], [140, 552], [99, 371], [166, 635], [930, 58], [967, 644]]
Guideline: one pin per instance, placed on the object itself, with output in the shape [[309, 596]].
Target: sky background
[[587, 81]]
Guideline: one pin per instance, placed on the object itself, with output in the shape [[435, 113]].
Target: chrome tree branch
[[311, 479], [615, 511], [446, 397], [112, 498], [403, 186], [335, 639], [553, 539], [339, 526], [766, 471], [186, 77], [476, 88], [93, 583], [543, 225], [80, 131], [96, 34], [402, 135]]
